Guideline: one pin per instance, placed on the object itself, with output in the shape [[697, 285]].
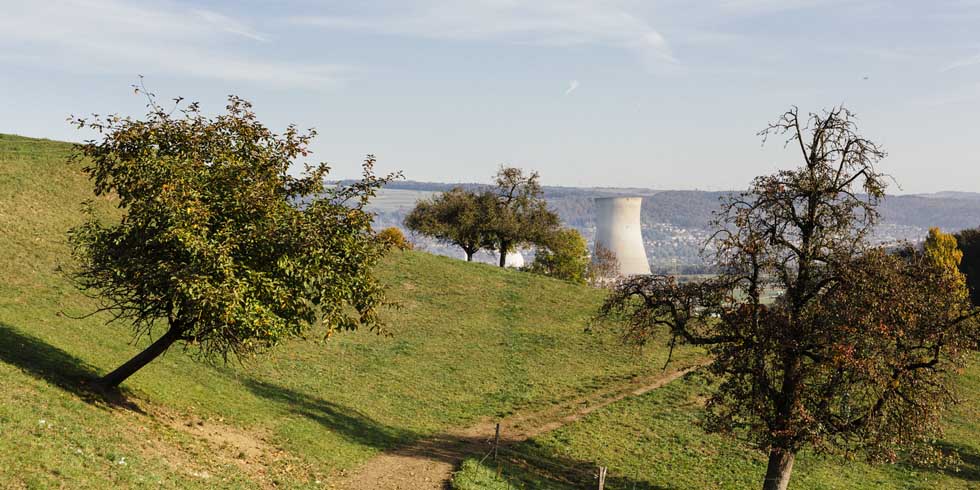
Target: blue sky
[[661, 94]]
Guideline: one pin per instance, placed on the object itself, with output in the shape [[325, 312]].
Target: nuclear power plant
[[618, 230]]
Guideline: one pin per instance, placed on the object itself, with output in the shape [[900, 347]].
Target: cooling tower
[[618, 230]]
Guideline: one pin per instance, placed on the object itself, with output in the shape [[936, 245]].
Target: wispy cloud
[[755, 7], [228, 24], [118, 36], [962, 63], [541, 22], [572, 85]]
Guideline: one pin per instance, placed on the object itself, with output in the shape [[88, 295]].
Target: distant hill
[[676, 221], [950, 210], [951, 195]]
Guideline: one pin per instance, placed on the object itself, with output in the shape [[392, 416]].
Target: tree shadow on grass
[[349, 423], [967, 468], [45, 361], [525, 462], [528, 465]]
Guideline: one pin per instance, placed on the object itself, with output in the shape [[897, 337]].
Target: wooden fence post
[[496, 441]]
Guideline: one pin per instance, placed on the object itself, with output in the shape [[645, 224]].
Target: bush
[[565, 256], [394, 238]]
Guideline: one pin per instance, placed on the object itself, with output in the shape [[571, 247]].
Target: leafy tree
[[565, 255], [604, 266], [860, 351], [941, 249], [217, 242], [521, 215], [968, 242], [458, 216], [393, 237]]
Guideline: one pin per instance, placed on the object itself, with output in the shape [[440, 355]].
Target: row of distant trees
[[503, 217], [510, 214]]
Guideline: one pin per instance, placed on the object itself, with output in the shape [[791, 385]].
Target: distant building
[[618, 230], [514, 259]]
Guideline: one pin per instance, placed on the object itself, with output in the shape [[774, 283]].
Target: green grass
[[655, 442], [469, 342]]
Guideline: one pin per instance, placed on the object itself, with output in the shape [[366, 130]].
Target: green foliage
[[942, 250], [216, 239], [394, 238], [565, 256], [860, 351], [521, 215], [474, 476], [511, 214], [458, 217], [469, 343]]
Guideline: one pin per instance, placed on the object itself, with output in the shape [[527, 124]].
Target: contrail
[[571, 86]]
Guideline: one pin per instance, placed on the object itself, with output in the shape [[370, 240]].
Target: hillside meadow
[[470, 343], [654, 441]]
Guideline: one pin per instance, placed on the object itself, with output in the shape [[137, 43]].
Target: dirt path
[[428, 464], [212, 449]]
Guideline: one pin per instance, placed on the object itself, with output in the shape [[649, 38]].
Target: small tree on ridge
[[458, 216], [521, 215]]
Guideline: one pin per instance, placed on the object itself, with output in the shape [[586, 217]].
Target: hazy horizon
[[659, 95]]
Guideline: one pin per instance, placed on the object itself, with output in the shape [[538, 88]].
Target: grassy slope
[[470, 341], [654, 442]]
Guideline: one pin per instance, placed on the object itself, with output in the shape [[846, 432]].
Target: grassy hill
[[470, 342]]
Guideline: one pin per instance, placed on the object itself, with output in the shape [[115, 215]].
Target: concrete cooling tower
[[618, 230]]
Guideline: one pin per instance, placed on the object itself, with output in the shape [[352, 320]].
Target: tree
[[521, 215], [604, 266], [459, 217], [564, 255], [393, 237], [217, 242], [968, 242], [941, 249], [859, 352]]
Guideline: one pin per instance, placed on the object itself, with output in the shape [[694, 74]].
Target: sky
[[664, 94]]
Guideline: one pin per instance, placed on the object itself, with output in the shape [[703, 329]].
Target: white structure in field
[[618, 230], [515, 259]]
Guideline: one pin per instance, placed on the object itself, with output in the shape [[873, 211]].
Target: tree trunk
[[779, 470], [469, 255], [503, 254], [158, 347]]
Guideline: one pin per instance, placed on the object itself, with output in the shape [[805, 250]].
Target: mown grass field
[[469, 342]]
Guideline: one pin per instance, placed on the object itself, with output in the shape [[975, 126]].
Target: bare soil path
[[429, 463]]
